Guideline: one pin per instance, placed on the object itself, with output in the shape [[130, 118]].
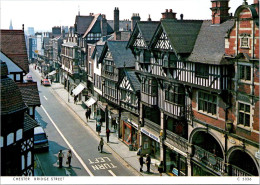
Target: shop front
[[130, 134], [176, 163], [150, 143]]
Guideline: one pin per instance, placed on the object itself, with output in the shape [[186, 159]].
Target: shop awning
[[90, 101], [52, 73], [78, 89]]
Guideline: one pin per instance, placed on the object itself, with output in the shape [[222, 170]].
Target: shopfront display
[[151, 146], [176, 164], [129, 134]]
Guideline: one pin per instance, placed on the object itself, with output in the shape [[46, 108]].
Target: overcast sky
[[44, 14]]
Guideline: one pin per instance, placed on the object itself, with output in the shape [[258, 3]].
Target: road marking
[[70, 146], [110, 171], [67, 172], [45, 98]]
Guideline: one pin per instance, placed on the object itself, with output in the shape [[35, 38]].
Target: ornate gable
[[163, 42], [139, 41], [126, 84]]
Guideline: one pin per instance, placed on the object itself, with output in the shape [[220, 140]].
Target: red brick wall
[[210, 120]]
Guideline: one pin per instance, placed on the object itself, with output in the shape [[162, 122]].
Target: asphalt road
[[67, 131]]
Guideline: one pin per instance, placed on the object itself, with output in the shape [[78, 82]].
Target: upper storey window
[[244, 72], [202, 70], [244, 40]]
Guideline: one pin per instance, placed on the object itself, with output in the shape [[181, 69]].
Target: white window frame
[[250, 127]]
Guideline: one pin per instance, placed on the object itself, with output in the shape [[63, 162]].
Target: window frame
[[206, 103], [200, 74], [244, 73], [247, 113]]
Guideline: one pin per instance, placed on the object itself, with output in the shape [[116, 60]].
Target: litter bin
[[130, 147]]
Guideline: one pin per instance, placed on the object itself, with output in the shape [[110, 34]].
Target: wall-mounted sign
[[257, 154], [150, 135]]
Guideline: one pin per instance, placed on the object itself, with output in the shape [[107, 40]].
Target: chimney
[[181, 16], [219, 11], [149, 18], [126, 27], [103, 25], [23, 27], [134, 19], [116, 19], [168, 14]]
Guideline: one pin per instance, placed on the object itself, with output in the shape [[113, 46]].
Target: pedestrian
[[99, 128], [60, 156], [160, 168], [141, 161], [51, 80], [69, 156], [148, 162], [86, 114], [75, 99], [139, 152], [107, 133], [101, 144], [41, 81]]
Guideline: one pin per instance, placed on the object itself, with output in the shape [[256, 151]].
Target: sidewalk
[[114, 143]]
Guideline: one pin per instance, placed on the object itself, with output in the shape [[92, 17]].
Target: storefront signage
[[134, 124], [150, 135]]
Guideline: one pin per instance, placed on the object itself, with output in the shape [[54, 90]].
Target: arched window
[[23, 162], [19, 134], [10, 139], [29, 158]]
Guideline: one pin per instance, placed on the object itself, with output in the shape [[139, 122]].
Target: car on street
[[29, 78], [40, 139], [46, 82]]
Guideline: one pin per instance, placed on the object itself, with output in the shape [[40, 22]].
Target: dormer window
[[244, 40]]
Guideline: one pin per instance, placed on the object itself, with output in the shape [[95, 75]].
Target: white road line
[[45, 97], [110, 171], [70, 146]]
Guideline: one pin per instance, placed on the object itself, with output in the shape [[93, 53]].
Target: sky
[[44, 14]]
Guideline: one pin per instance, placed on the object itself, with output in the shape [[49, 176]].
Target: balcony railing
[[209, 159], [177, 141], [236, 171], [151, 100], [152, 125], [129, 107]]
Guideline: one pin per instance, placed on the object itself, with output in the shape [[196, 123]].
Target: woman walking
[[60, 156], [101, 143], [160, 168]]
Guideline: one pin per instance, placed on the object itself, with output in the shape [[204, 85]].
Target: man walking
[[141, 161], [107, 133], [69, 156], [60, 156], [148, 162]]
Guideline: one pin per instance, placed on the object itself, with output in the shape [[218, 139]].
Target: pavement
[[117, 145]]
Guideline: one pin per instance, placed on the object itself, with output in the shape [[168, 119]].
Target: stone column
[[162, 134], [189, 170]]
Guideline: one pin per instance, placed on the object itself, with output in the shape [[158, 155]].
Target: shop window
[[245, 72], [201, 70], [207, 103], [127, 133], [244, 114]]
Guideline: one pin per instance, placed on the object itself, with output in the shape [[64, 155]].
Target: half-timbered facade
[[129, 94]]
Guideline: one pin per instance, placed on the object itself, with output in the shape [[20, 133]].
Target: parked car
[[46, 82], [29, 78], [40, 139]]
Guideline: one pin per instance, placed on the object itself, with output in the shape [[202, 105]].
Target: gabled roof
[[29, 123], [182, 34], [210, 44], [30, 93], [12, 67], [11, 98], [97, 51], [147, 29], [95, 26], [122, 57], [14, 47], [82, 23], [132, 77]]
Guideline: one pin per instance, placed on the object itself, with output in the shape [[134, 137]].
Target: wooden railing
[[209, 159], [151, 100], [152, 125], [236, 171], [177, 140]]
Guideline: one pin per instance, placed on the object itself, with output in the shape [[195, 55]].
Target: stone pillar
[[189, 169]]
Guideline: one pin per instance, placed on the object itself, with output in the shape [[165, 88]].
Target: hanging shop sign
[[150, 135]]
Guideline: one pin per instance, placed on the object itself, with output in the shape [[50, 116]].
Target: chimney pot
[[170, 10], [181, 16], [166, 10], [23, 27]]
